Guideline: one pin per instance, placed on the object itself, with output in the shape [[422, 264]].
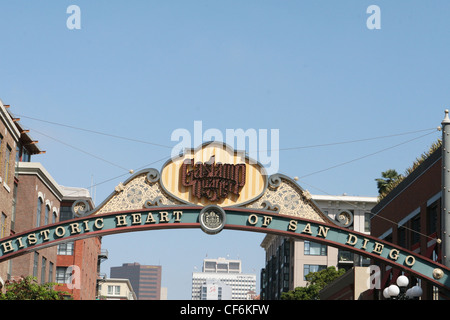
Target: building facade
[[350, 286], [116, 289], [38, 203], [78, 262], [9, 143], [226, 272], [145, 279], [213, 289], [30, 198], [410, 216], [288, 261]]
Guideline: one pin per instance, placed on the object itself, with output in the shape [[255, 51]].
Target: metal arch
[[172, 217]]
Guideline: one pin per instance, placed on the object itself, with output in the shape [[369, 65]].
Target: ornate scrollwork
[[151, 203], [80, 208], [153, 175], [344, 219], [119, 188], [274, 181], [266, 205]]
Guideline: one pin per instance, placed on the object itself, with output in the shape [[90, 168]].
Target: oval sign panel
[[214, 174]]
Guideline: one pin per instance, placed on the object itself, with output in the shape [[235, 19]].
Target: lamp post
[[399, 292]]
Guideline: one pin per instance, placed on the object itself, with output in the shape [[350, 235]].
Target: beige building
[[288, 261], [116, 289], [350, 286]]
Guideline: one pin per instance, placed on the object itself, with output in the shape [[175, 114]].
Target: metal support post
[[446, 190]]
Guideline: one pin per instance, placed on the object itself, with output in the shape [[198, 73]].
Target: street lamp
[[399, 292]]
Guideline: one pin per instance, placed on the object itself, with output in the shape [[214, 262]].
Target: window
[[432, 214], [17, 153], [63, 275], [38, 212], [35, 264], [25, 155], [1, 142], [50, 272], [367, 217], [43, 269], [65, 213], [315, 249], [113, 290], [47, 213], [415, 226], [3, 226], [65, 249], [308, 268], [14, 202], [7, 161], [401, 235]]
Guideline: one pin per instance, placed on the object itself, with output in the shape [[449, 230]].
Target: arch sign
[[214, 187]]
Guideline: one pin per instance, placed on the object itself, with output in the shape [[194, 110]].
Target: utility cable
[[95, 132], [367, 211], [365, 156], [80, 150], [280, 149], [354, 141]]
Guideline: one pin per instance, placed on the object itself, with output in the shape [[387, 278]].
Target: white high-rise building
[[222, 275]]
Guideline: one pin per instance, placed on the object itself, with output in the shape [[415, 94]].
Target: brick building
[[29, 198], [37, 204], [78, 262], [16, 146], [9, 141], [410, 216]]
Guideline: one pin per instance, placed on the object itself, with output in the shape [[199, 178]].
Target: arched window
[[47, 214], [38, 211]]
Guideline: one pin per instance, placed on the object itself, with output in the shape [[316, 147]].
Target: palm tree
[[388, 176]]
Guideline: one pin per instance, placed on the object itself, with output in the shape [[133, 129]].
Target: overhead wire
[[350, 141], [94, 131], [281, 149], [359, 158], [79, 149], [367, 155], [370, 212]]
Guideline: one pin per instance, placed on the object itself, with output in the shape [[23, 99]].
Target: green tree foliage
[[316, 282], [387, 177], [28, 289]]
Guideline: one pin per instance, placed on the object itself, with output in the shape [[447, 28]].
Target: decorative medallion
[[212, 219]]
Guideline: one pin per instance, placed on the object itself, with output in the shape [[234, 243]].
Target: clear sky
[[142, 69]]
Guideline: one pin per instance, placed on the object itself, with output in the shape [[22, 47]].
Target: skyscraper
[[145, 279]]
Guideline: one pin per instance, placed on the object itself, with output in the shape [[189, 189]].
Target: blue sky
[[142, 69]]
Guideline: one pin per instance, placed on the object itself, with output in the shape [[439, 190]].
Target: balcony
[[103, 255]]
